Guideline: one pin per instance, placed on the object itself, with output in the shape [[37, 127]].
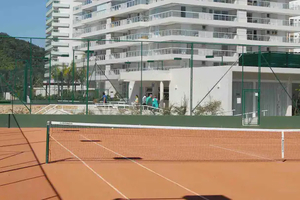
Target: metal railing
[[77, 7], [194, 15], [129, 21], [172, 50], [271, 4], [276, 22], [272, 38], [127, 4], [193, 33]]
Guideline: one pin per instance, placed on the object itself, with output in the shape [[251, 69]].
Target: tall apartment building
[[59, 26], [296, 20], [251, 22]]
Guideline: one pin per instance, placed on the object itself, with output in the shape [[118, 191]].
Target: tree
[[212, 107], [55, 73], [82, 76], [76, 74]]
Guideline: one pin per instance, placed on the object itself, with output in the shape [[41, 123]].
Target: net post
[[8, 125], [47, 141], [282, 144]]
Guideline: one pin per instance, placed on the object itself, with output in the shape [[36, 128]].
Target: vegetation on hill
[[15, 58]]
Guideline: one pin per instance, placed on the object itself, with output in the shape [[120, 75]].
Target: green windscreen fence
[[271, 59]]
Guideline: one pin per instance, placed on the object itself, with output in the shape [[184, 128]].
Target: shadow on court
[[202, 197], [21, 174]]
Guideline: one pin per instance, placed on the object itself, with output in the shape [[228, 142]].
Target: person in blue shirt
[[155, 102], [104, 98]]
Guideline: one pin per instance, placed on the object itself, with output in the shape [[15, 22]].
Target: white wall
[[204, 79]]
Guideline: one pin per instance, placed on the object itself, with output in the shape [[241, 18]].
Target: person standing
[[144, 100], [136, 101], [104, 98], [155, 102], [149, 100]]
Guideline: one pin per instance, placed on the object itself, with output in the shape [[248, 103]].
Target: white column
[[108, 23], [254, 108], [241, 35], [241, 16], [107, 37], [161, 89]]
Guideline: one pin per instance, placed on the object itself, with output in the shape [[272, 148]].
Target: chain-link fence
[[119, 77]]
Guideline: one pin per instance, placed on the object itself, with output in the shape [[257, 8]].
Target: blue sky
[[23, 18]]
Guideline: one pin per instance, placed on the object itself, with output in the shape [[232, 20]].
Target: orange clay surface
[[22, 176]]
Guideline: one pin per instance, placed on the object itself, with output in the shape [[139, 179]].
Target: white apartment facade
[[208, 21], [59, 27], [296, 20]]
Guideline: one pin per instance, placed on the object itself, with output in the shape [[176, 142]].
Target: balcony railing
[[193, 33], [176, 51], [170, 51], [114, 8], [129, 21], [194, 15], [271, 4], [77, 7], [94, 28], [272, 38], [274, 22], [127, 5]]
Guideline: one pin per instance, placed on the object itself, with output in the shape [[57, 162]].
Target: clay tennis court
[[145, 165]]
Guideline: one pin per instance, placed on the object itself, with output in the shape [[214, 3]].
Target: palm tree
[[76, 74], [55, 75], [82, 76]]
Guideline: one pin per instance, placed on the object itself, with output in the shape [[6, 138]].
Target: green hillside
[[14, 54]]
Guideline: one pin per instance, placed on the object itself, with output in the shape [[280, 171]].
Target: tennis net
[[107, 142]]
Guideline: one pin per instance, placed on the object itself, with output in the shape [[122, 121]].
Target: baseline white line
[[148, 169], [113, 187], [241, 152]]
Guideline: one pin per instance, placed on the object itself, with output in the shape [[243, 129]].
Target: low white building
[[175, 85]]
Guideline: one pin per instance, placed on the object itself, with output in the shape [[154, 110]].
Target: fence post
[[73, 76], [8, 125], [191, 78], [259, 85], [47, 142], [141, 92], [282, 144], [87, 78]]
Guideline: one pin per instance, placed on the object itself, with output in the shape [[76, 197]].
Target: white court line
[[241, 152], [91, 169], [150, 170]]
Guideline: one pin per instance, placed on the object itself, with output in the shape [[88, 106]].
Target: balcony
[[125, 40], [274, 22], [77, 7], [115, 24], [272, 38], [48, 30], [193, 33], [127, 5], [270, 4], [58, 24], [59, 5], [129, 21], [163, 54], [194, 15], [59, 34], [49, 21], [114, 8], [58, 14]]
